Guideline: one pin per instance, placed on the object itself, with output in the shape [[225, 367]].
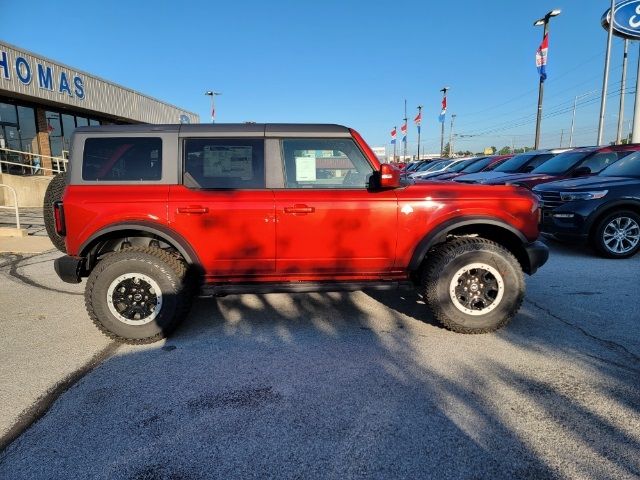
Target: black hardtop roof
[[267, 129]]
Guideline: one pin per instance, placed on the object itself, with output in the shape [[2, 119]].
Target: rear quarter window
[[122, 159]]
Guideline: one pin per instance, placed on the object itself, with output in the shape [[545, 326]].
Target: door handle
[[196, 209], [299, 208]]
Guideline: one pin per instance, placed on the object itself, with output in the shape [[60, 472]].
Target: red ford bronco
[[152, 214]]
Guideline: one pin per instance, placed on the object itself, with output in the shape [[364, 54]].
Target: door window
[[325, 163], [224, 163], [122, 159]]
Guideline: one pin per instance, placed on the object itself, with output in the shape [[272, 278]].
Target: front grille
[[550, 199]]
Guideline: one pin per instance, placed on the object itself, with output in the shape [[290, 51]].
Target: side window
[[597, 162], [539, 160], [227, 163], [325, 163], [122, 159]]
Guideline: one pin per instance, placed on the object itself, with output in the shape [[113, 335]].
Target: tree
[[504, 150], [446, 151]]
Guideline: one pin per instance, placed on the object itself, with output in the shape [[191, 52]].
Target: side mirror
[[581, 172], [389, 176]]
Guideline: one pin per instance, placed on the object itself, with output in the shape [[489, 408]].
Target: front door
[[223, 208], [329, 225]]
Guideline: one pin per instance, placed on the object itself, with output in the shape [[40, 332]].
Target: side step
[[220, 290]]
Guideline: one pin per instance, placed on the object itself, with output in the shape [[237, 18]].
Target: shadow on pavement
[[340, 386]]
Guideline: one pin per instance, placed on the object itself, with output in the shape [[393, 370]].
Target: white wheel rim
[[476, 289], [621, 235], [134, 298]]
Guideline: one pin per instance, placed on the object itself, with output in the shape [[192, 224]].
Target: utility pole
[[561, 137], [451, 150], [419, 122], [513, 148], [444, 107], [544, 22], [605, 78], [623, 85], [573, 121]]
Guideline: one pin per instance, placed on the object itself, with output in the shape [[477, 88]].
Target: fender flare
[[602, 210], [440, 232], [165, 233]]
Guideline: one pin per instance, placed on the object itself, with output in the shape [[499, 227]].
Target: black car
[[603, 209]]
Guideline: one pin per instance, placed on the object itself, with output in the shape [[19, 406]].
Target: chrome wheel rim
[[134, 298], [621, 235], [476, 289]]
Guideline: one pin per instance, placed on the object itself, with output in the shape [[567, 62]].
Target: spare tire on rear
[[54, 192]]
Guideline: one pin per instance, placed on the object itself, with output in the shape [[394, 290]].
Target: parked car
[[521, 163], [579, 162], [603, 209], [152, 214], [482, 164], [437, 167], [452, 168]]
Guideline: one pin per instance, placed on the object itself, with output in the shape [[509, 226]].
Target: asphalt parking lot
[[330, 385]]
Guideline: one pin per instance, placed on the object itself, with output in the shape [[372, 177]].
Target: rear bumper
[[537, 254], [68, 268]]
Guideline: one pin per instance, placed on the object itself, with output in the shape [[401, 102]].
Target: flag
[[444, 110], [403, 130], [393, 136], [418, 120], [541, 58], [213, 110]]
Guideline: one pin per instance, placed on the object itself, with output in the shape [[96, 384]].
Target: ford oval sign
[[626, 19]]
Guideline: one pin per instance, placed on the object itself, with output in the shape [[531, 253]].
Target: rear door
[[329, 224], [223, 208]]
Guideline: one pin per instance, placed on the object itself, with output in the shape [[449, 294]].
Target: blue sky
[[348, 62]]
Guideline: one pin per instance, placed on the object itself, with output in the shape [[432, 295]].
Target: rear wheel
[[473, 285], [618, 235], [54, 193], [138, 295]]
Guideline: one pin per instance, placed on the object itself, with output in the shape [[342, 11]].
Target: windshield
[[520, 163], [461, 165], [436, 166], [478, 165], [627, 167], [561, 163]]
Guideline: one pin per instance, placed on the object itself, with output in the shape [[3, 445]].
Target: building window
[[54, 127], [27, 130]]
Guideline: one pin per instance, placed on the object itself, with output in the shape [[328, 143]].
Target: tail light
[[58, 215]]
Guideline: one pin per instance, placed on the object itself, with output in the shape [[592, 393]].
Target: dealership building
[[43, 101]]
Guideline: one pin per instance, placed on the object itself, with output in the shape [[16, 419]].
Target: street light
[[545, 23], [212, 94]]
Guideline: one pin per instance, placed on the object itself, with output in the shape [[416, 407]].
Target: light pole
[[542, 22], [213, 94], [419, 121], [442, 115]]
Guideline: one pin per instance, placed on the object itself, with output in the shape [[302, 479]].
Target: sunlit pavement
[[326, 385]]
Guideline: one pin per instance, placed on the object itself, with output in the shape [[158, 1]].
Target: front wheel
[[473, 285], [618, 235], [138, 295]]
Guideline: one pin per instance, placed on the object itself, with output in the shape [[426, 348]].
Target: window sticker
[[228, 162], [305, 169]]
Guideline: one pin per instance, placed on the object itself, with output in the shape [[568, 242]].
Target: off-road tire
[[54, 192], [446, 260], [170, 274], [597, 237]]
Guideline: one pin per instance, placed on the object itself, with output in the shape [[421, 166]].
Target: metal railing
[[15, 203], [58, 164]]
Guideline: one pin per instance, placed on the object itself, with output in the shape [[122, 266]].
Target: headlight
[[569, 196]]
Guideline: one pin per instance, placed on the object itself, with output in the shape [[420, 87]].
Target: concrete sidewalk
[[28, 244]]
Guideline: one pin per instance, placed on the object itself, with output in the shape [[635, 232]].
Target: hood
[[519, 177], [589, 183], [480, 177]]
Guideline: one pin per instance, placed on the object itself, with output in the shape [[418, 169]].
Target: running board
[[221, 290]]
